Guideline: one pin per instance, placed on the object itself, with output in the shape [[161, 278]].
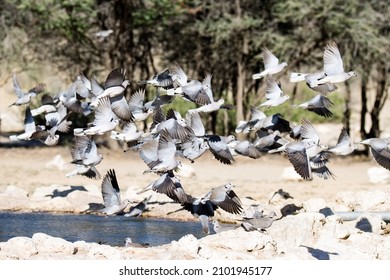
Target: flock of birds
[[172, 137]]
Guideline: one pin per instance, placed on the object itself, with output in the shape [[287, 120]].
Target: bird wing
[[136, 101], [382, 157], [220, 149], [231, 203], [103, 113], [148, 152], [273, 91], [269, 59], [110, 189], [18, 91], [166, 147], [194, 121], [333, 64], [300, 161], [29, 123], [115, 78], [308, 131], [120, 107]]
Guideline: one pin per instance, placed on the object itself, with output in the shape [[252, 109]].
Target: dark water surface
[[92, 228]]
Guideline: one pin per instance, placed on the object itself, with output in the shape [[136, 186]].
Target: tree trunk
[[347, 109], [363, 111], [380, 99]]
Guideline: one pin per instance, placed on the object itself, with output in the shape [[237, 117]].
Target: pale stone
[[97, 251], [378, 175], [289, 174], [295, 230], [370, 223], [49, 244], [18, 248], [15, 191], [365, 200], [238, 240], [46, 193], [57, 163], [314, 204], [56, 204], [80, 200]]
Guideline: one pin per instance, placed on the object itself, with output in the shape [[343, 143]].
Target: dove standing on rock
[[258, 221]]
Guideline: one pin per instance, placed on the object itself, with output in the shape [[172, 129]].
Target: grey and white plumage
[[115, 84], [199, 92], [254, 123], [218, 146], [259, 221], [105, 120], [160, 154], [307, 156], [319, 104], [85, 155], [167, 184], [217, 227], [49, 136], [333, 67], [138, 209], [138, 108], [219, 197], [344, 146], [29, 127], [172, 122], [271, 65], [111, 195], [25, 97], [162, 79], [129, 133], [311, 79], [274, 94], [247, 149], [380, 151]]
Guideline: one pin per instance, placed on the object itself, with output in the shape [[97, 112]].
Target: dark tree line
[[220, 37]]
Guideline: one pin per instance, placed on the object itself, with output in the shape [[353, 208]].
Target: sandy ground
[[258, 179]]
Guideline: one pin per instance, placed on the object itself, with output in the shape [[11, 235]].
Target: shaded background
[[53, 41]]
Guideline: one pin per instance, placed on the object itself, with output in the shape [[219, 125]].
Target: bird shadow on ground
[[318, 253], [364, 225], [65, 193]]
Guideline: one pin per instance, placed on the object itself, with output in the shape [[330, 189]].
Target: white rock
[[57, 163], [370, 223], [365, 200], [314, 204], [378, 175], [80, 200], [48, 192], [18, 248], [49, 244], [15, 191], [295, 230], [104, 252], [289, 174]]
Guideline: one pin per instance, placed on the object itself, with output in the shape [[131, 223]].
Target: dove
[[271, 65], [333, 67], [111, 195], [25, 97]]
